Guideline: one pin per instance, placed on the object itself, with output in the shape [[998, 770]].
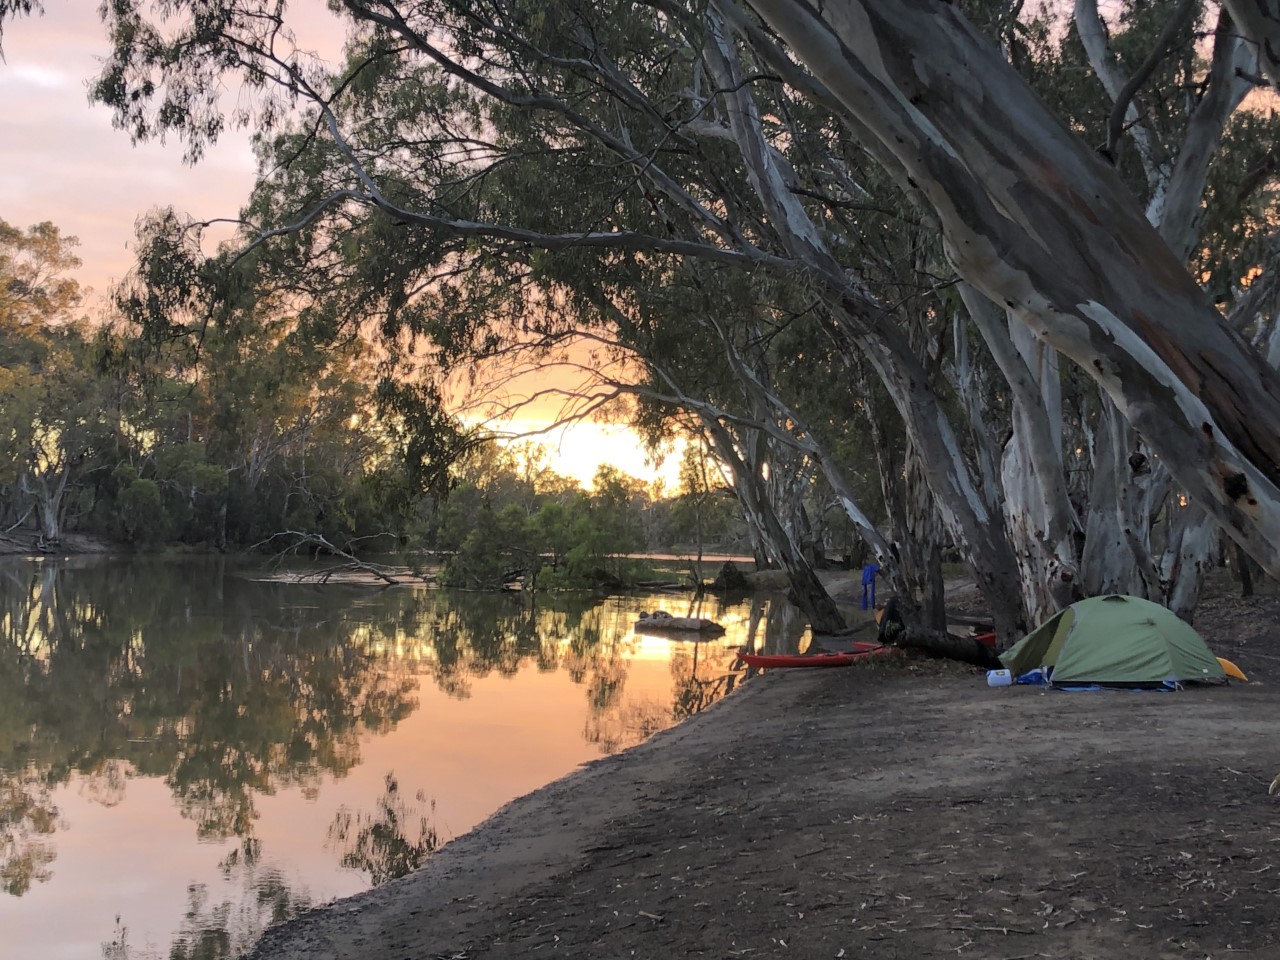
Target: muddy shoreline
[[901, 810]]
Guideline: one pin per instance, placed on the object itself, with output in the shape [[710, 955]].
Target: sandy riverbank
[[905, 811]]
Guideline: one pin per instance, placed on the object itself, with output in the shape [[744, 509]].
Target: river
[[193, 748]]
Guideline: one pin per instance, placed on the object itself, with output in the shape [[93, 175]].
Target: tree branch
[[1115, 125]]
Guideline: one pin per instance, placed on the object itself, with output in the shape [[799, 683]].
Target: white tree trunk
[[48, 489], [1176, 185], [868, 331], [1259, 21], [1117, 553], [781, 546], [1039, 223], [1186, 558], [1038, 515]]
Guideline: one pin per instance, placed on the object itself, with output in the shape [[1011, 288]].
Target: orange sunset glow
[[61, 161]]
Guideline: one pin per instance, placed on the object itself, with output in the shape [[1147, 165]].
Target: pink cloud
[[61, 160]]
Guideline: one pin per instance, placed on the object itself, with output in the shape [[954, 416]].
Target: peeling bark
[[863, 328], [1186, 560], [1040, 224], [1038, 515], [806, 589], [1176, 188], [1259, 21]]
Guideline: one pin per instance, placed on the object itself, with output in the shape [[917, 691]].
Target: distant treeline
[[263, 428]]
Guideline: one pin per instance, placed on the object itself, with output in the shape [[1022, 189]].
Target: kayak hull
[[860, 651]]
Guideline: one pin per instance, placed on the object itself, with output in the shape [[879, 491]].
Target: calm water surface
[[190, 750]]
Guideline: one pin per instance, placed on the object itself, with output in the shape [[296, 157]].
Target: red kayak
[[861, 651]]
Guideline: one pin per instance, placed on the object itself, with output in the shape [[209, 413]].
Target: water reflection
[[221, 927], [218, 928], [229, 690], [392, 841], [28, 819]]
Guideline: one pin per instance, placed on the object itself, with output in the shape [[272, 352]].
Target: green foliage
[[580, 119], [496, 545], [56, 416], [245, 408], [512, 517], [142, 515]]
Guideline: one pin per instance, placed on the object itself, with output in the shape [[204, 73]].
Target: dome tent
[[1115, 639]]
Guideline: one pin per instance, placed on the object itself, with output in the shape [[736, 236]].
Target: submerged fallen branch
[[391, 576], [670, 586]]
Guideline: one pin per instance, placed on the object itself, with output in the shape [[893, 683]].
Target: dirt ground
[[888, 810]]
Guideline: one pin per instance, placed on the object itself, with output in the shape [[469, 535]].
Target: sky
[[61, 160]]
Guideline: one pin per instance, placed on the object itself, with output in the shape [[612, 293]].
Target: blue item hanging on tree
[[869, 585]]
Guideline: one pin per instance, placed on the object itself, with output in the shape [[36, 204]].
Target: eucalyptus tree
[[1045, 227], [263, 413], [54, 401], [448, 106], [508, 162], [725, 350]]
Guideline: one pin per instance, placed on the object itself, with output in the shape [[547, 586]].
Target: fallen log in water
[[677, 625], [666, 586]]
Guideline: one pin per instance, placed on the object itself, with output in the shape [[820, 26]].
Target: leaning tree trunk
[[908, 552], [862, 328], [807, 590], [1038, 514], [769, 407], [973, 524], [1120, 554], [1037, 221], [924, 530]]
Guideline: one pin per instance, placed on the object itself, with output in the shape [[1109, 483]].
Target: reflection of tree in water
[[776, 628], [117, 948], [702, 676], [228, 688], [394, 840], [486, 634], [588, 640], [626, 725], [292, 716], [28, 819], [465, 637], [701, 672], [107, 786], [225, 691], [476, 635], [218, 928]]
